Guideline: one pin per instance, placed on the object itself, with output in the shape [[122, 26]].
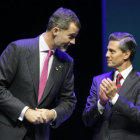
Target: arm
[[129, 109], [91, 113], [9, 105], [67, 99]]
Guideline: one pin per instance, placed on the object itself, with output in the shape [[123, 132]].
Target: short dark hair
[[62, 18], [127, 42]]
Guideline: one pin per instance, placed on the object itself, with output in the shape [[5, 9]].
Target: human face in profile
[[115, 56], [65, 38]]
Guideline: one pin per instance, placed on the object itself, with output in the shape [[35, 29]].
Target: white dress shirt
[[43, 48], [124, 74], [43, 51]]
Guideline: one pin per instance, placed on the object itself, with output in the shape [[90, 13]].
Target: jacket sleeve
[[9, 105], [67, 99], [91, 114], [129, 109]]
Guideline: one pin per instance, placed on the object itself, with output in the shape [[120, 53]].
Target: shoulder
[[138, 73], [98, 79], [104, 75], [23, 43], [63, 56], [134, 73]]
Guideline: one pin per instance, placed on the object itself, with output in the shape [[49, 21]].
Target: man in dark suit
[[113, 107], [22, 115]]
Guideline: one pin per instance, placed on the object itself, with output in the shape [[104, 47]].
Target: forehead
[[73, 29], [113, 45]]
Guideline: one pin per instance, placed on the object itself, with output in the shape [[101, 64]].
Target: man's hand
[[102, 96], [46, 114], [33, 116], [109, 88]]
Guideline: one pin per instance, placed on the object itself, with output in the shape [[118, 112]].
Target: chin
[[109, 65], [63, 49]]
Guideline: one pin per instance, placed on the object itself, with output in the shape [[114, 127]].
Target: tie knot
[[50, 53], [119, 76]]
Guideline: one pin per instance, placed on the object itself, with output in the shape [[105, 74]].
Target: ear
[[55, 31], [127, 55]]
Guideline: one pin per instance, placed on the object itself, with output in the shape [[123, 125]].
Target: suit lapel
[[130, 80], [56, 68], [33, 63]]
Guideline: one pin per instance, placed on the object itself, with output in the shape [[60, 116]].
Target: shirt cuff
[[51, 123], [114, 100], [55, 115], [21, 117], [100, 107]]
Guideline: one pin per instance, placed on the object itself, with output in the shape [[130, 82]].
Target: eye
[[71, 36], [111, 51]]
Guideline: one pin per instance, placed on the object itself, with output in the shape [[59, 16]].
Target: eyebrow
[[110, 49], [73, 34]]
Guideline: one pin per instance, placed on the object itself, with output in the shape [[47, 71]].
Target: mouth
[[108, 61]]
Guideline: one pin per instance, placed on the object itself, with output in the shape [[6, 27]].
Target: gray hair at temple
[[62, 18], [127, 42]]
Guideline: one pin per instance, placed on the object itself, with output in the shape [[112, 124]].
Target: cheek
[[118, 59], [65, 39], [58, 39]]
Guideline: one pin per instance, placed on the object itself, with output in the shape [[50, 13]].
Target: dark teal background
[[122, 16]]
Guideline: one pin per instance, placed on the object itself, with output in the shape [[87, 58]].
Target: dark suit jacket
[[121, 121], [19, 83]]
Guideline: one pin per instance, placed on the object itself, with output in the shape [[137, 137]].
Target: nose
[[107, 54], [72, 41]]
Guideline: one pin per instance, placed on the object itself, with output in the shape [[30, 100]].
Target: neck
[[49, 39], [124, 66]]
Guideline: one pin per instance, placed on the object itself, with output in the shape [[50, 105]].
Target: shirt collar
[[43, 45], [125, 72]]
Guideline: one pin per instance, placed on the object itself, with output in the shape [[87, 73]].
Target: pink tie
[[44, 76]]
